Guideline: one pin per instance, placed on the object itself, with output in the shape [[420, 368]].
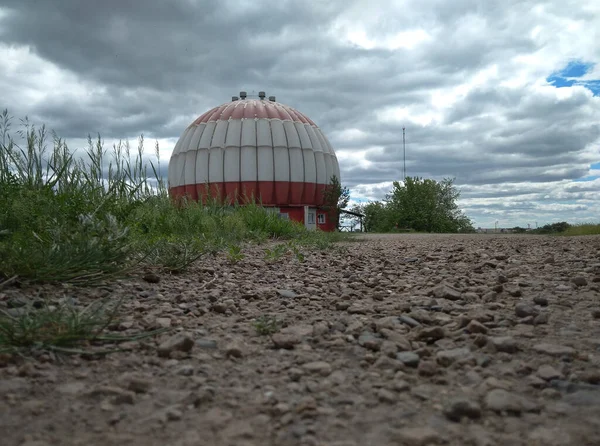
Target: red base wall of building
[[222, 195], [268, 193]]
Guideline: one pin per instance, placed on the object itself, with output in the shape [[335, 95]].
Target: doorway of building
[[310, 218]]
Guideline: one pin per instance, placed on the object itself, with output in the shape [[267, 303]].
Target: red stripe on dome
[[261, 110], [227, 112], [272, 111], [268, 193], [249, 110], [238, 111], [308, 194]]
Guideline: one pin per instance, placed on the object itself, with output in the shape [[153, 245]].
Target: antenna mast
[[404, 151]]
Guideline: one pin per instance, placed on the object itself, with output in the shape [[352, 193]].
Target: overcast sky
[[503, 95]]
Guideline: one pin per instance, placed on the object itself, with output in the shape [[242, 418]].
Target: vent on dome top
[[261, 94], [243, 94], [234, 98], [272, 98]]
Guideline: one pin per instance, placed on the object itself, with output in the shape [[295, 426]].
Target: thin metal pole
[[404, 150]]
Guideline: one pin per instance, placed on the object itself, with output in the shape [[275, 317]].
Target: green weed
[[266, 325]]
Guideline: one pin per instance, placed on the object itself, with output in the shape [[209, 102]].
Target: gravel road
[[410, 340]]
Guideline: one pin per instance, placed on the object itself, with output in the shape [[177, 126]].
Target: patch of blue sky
[[571, 74], [588, 178]]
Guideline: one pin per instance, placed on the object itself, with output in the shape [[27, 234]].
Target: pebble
[[285, 340], [461, 355], [400, 385], [540, 300], [234, 349], [427, 368], [416, 436], [431, 334], [409, 359], [554, 350], [502, 401], [523, 309], [370, 341], [547, 372], [476, 327], [541, 319], [446, 292], [208, 344], [505, 344], [461, 407], [386, 396], [135, 383], [579, 281], [179, 342], [409, 321], [151, 278], [321, 367], [185, 370], [288, 294]]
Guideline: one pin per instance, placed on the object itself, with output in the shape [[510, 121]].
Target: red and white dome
[[253, 148]]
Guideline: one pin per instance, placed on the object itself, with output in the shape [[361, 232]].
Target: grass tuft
[[266, 325], [63, 325]]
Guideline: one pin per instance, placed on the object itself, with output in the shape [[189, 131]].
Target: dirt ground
[[394, 340]]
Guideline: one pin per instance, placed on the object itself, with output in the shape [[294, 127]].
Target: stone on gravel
[[151, 278], [179, 342], [456, 355], [386, 396], [234, 349], [502, 401], [540, 300], [446, 292], [409, 321], [288, 294], [547, 372], [416, 436], [285, 340], [135, 383], [208, 344], [541, 319], [431, 334], [523, 309], [462, 407], [321, 367], [370, 341], [579, 281], [554, 350], [427, 368], [409, 359], [163, 322], [476, 327], [505, 344]]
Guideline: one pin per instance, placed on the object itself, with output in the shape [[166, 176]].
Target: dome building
[[256, 148]]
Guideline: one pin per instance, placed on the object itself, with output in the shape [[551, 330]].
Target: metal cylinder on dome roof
[[243, 94], [261, 94], [272, 98]]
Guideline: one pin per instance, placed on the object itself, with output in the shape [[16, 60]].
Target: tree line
[[416, 204]]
